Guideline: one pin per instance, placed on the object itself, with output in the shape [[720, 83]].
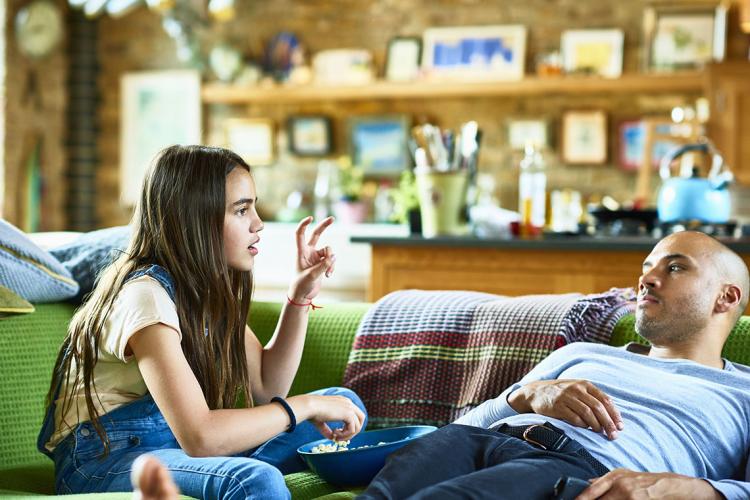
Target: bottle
[[532, 185], [322, 191]]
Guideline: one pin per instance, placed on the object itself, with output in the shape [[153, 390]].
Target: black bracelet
[[288, 409]]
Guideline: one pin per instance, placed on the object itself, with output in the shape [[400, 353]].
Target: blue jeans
[[139, 427], [459, 461]]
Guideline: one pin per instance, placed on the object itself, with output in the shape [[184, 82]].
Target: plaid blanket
[[430, 357]]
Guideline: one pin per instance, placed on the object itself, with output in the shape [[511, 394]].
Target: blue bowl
[[357, 466]]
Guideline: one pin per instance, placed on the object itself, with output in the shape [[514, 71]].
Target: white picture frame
[[159, 109], [701, 28], [597, 52], [528, 130], [495, 52], [251, 138]]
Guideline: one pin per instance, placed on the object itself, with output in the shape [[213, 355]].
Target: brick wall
[[137, 42]]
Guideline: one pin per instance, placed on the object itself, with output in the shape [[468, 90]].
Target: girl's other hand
[[312, 263], [324, 409]]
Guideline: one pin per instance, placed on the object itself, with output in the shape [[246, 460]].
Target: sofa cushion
[[29, 271], [736, 348], [28, 347], [11, 303], [91, 252]]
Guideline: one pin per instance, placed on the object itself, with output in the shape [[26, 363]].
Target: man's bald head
[[729, 267]]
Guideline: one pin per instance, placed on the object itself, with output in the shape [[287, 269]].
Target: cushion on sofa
[[12, 303], [430, 357], [29, 271], [91, 252]]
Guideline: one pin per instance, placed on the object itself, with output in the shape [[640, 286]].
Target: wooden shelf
[[233, 94]]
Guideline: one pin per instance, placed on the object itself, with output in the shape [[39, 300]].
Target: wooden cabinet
[[728, 89], [504, 271], [508, 269]]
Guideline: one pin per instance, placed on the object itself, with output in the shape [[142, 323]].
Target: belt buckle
[[533, 441]]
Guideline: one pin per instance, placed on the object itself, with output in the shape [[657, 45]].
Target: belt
[[548, 437]]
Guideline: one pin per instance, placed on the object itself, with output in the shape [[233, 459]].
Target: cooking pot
[[691, 197]]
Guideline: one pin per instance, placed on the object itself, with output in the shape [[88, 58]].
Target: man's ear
[[730, 298]]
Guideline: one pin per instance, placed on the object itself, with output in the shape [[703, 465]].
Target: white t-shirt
[[140, 303]]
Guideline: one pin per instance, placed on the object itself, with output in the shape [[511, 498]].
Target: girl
[[157, 357]]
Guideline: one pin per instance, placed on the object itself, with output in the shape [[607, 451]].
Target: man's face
[[677, 290]]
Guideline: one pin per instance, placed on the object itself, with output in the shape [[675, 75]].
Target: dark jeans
[[459, 461]]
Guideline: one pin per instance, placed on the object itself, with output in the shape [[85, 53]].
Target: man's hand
[[578, 402], [623, 484]]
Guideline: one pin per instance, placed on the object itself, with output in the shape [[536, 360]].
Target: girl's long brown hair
[[178, 224]]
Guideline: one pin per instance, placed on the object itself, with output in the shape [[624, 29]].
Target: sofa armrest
[[330, 334]]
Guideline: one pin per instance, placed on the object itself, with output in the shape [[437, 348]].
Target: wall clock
[[38, 28]]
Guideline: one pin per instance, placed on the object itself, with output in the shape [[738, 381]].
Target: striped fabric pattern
[[430, 357]]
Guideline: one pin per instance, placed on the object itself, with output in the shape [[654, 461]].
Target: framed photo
[[475, 53], [379, 144], [310, 135], [584, 137], [251, 138], [159, 109], [522, 131], [684, 37], [632, 144], [402, 59], [597, 52]]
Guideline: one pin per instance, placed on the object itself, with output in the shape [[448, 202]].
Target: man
[[669, 421]]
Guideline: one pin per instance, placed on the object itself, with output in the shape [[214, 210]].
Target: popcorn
[[341, 446], [329, 448]]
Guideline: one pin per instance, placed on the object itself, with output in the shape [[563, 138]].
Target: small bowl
[[357, 466]]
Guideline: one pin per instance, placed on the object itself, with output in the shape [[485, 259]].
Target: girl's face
[[241, 221]]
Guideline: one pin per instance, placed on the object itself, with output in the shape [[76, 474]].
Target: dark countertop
[[563, 242]]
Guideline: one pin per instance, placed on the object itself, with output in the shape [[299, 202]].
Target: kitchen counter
[[566, 242], [557, 264]]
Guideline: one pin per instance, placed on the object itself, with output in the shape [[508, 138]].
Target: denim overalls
[[139, 427]]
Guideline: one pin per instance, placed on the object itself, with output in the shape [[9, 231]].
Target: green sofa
[[28, 346]]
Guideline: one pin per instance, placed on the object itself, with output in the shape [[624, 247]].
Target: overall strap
[[159, 274]]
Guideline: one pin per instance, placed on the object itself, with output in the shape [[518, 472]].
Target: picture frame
[[584, 137], [403, 58], [631, 141], [523, 130], [252, 139], [686, 36], [159, 109], [597, 52], [378, 144], [310, 135], [474, 53]]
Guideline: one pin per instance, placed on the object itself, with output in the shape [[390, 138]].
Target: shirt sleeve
[[140, 303], [733, 489], [496, 409]]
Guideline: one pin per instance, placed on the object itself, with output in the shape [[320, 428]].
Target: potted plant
[[350, 208], [406, 203]]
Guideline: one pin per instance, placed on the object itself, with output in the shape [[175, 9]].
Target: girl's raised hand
[[312, 263]]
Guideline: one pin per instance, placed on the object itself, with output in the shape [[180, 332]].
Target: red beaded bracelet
[[303, 305]]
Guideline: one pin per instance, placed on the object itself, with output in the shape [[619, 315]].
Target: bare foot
[[151, 480]]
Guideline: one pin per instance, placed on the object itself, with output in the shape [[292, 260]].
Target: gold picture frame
[[584, 137]]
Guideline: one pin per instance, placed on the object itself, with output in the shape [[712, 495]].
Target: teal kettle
[[690, 197]]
